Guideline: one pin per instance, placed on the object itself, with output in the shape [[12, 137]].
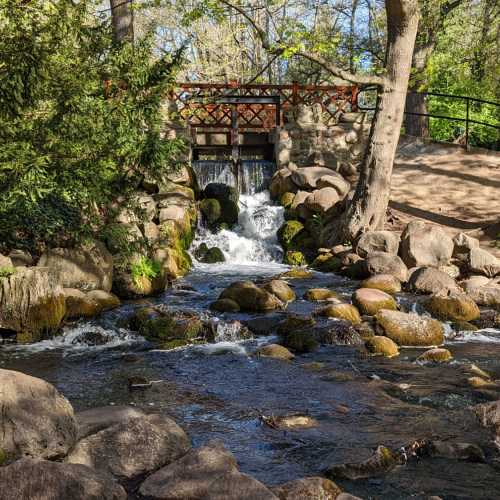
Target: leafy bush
[[145, 268], [81, 121], [7, 271]]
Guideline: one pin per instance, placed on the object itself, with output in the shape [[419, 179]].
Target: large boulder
[[312, 488], [250, 297], [211, 210], [308, 177], [36, 421], [385, 263], [431, 280], [89, 267], [208, 473], [322, 200], [335, 181], [281, 289], [29, 479], [378, 241], [425, 245], [486, 295], [31, 303], [228, 197], [483, 262], [410, 329], [131, 448], [452, 306], [289, 232], [370, 301], [282, 183], [78, 305]]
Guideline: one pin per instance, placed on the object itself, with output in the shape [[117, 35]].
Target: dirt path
[[443, 184]]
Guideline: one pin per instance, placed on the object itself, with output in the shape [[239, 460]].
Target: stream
[[221, 391]]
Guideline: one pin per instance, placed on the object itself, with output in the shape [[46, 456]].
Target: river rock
[[89, 267], [307, 177], [431, 280], [452, 306], [209, 255], [463, 244], [489, 415], [386, 263], [36, 420], [274, 351], [250, 297], [312, 488], [104, 300], [488, 295], [96, 419], [410, 329], [378, 241], [379, 344], [225, 305], [297, 273], [211, 210], [227, 196], [473, 282], [78, 305], [425, 245], [282, 183], [385, 282], [132, 448], [295, 322], [31, 304], [290, 421], [369, 301], [347, 312], [29, 479], [322, 200], [300, 341], [437, 355], [208, 473], [483, 262], [339, 332], [456, 451], [319, 294], [335, 181], [19, 258], [281, 289]]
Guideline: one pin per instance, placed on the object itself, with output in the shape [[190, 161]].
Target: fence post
[[467, 125], [295, 93]]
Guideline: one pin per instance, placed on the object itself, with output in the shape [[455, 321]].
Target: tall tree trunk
[[122, 17], [416, 125], [367, 211]]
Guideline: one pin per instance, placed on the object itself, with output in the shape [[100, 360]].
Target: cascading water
[[253, 240]]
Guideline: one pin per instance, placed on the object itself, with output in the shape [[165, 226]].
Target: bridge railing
[[198, 103]]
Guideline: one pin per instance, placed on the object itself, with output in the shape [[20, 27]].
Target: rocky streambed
[[379, 427]]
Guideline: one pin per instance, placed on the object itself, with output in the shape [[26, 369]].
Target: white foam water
[[253, 240]]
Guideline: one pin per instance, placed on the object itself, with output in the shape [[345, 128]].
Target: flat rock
[[452, 306], [483, 262], [131, 448], [307, 177], [369, 301], [311, 488], [29, 479], [385, 282]]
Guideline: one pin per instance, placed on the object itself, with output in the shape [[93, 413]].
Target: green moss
[[294, 258], [214, 255], [7, 271], [229, 212], [211, 210], [144, 268], [288, 232], [286, 199], [3, 457], [327, 263], [175, 343]]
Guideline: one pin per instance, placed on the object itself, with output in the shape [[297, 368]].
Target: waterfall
[[254, 175], [253, 240]]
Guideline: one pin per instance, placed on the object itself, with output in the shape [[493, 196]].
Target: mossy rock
[[347, 312], [382, 345], [437, 355], [294, 258], [250, 297], [288, 232], [300, 341], [221, 191], [297, 273], [384, 282], [319, 294], [229, 212], [289, 214], [211, 210], [327, 263], [286, 199], [3, 457], [452, 307], [225, 305], [174, 343], [464, 326], [281, 289], [209, 255], [274, 351], [369, 301]]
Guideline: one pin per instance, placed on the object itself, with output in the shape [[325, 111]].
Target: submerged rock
[[225, 305], [208, 473], [274, 351], [312, 488], [436, 355], [36, 420], [410, 329], [132, 448], [300, 341], [385, 282], [209, 255], [297, 273], [452, 306], [43, 480], [290, 422], [319, 294], [382, 345], [369, 301]]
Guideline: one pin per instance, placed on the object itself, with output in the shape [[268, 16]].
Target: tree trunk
[[416, 125], [122, 17], [367, 211]]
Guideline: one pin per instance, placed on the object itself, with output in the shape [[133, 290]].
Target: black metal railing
[[467, 118]]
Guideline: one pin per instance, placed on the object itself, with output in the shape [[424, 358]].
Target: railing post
[[467, 125], [295, 93]]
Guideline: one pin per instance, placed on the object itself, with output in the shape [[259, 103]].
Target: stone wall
[[306, 140]]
